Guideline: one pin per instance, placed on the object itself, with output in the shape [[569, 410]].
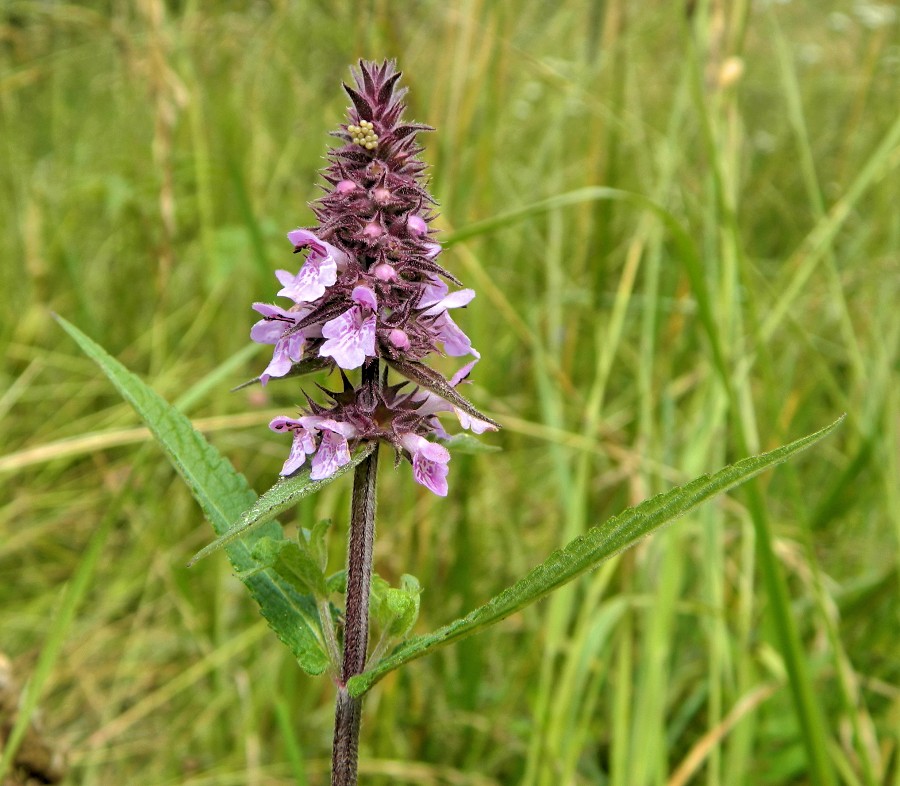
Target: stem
[[348, 710]]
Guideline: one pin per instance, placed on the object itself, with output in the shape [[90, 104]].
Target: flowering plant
[[370, 296]]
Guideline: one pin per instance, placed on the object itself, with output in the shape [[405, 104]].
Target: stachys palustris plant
[[370, 295]]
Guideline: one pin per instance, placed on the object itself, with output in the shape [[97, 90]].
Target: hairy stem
[[348, 710]]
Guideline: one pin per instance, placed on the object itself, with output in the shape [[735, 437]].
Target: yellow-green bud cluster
[[364, 135]]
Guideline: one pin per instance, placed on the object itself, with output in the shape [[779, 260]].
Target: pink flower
[[435, 301], [429, 463], [324, 437], [432, 404], [435, 298], [351, 335], [373, 298], [318, 272], [304, 443], [333, 452], [275, 328]]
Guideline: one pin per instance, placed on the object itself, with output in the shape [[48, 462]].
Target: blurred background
[[153, 155]]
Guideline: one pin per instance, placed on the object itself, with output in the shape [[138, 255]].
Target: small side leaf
[[585, 553], [404, 605], [395, 610], [286, 493], [294, 563], [337, 582], [316, 544], [464, 442], [222, 493]]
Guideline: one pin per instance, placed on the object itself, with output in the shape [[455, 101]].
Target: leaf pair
[[244, 525]]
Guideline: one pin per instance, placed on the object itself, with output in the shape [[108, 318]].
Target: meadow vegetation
[[683, 228]]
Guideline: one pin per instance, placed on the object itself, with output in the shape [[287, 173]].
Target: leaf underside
[[585, 553]]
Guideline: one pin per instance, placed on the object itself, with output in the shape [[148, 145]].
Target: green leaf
[[337, 582], [464, 442], [286, 493], [378, 610], [305, 366], [222, 493], [316, 542], [403, 604], [585, 553], [395, 610], [293, 562]]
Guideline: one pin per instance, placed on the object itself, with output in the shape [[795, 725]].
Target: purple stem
[[348, 710]]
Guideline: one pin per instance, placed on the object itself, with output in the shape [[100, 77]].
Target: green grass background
[[153, 155]]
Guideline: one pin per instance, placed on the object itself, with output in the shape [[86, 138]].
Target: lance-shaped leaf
[[585, 553], [222, 493], [432, 380], [286, 493]]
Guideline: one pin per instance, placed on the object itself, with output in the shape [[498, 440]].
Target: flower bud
[[345, 187], [373, 230], [399, 339], [381, 196], [385, 272], [416, 225]]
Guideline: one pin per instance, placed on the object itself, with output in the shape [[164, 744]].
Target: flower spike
[[371, 288]]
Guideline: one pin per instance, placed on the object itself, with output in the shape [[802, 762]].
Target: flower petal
[[317, 274], [351, 339], [456, 343], [319, 248], [270, 311], [333, 453], [458, 299], [364, 297], [463, 373], [338, 427], [284, 423], [281, 361], [475, 425], [299, 450], [429, 463], [433, 292], [268, 331]]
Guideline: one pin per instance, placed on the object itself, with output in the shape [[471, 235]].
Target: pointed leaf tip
[[431, 380]]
